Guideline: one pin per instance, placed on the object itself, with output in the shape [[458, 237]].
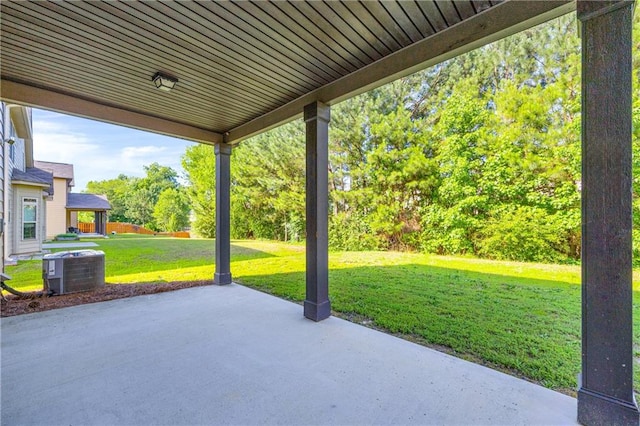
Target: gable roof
[[34, 175], [59, 170], [87, 202]]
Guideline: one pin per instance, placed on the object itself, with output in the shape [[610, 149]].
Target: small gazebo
[[98, 204]]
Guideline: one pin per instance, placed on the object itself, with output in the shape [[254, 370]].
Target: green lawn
[[519, 317]]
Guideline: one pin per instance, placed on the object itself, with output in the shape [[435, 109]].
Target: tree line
[[156, 201], [478, 155]]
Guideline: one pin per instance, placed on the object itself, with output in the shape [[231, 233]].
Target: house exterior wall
[[15, 157], [3, 120], [56, 209], [10, 222], [20, 194], [16, 153]]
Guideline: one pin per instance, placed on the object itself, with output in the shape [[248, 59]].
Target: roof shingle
[[87, 202], [59, 170], [34, 175]]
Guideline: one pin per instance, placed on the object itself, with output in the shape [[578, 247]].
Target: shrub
[[526, 234], [68, 236], [351, 232]]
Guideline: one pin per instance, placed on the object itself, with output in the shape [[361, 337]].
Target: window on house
[[29, 216]]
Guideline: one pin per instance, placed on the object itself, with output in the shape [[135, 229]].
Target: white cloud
[[60, 148], [53, 142], [141, 151], [100, 151]]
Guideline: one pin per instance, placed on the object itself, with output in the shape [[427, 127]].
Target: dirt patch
[[17, 306]]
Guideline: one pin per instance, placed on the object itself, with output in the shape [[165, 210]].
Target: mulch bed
[[15, 305]]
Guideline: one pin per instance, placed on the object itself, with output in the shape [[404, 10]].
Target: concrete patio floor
[[232, 355]]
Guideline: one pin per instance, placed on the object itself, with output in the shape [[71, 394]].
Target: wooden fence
[[128, 228]]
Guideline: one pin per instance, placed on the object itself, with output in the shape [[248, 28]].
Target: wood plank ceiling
[[236, 62]]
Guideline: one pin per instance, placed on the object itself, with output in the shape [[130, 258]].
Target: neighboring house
[[28, 188], [25, 187], [63, 206], [56, 217]]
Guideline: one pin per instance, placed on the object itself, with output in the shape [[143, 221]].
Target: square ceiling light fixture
[[164, 82]]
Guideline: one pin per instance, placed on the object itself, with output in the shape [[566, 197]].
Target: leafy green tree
[[377, 151], [158, 178], [403, 175], [452, 221], [199, 165], [117, 190], [523, 233], [268, 185], [146, 191], [171, 212], [86, 217], [140, 205], [349, 196]]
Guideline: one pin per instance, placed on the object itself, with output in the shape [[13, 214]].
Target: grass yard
[[517, 317]]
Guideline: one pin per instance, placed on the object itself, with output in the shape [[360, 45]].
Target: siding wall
[[15, 158], [3, 120], [56, 209], [18, 160], [15, 161], [11, 219]]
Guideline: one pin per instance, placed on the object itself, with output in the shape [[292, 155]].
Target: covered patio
[[199, 356], [96, 204], [219, 73]]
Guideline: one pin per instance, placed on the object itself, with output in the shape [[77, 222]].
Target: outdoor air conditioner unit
[[73, 271]]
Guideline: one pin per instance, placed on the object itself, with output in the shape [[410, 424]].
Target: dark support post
[[96, 223], [223, 217], [605, 395], [317, 306], [99, 222]]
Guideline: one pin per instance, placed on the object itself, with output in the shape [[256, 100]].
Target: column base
[[317, 311], [222, 279], [597, 409]]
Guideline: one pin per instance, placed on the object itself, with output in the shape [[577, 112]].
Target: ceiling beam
[[14, 92], [495, 23]]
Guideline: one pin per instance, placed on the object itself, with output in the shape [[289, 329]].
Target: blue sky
[[100, 151]]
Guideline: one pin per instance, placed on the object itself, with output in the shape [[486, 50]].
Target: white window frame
[[28, 201]]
